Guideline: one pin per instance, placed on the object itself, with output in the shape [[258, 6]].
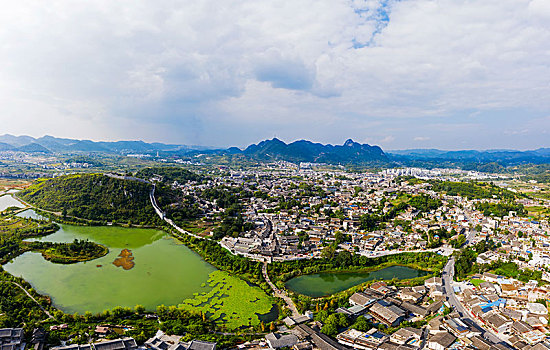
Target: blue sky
[[449, 74]]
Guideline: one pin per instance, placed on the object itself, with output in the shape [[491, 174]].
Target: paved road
[[161, 214], [448, 275], [280, 293], [276, 292]]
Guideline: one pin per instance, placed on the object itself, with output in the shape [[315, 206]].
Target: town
[[491, 293], [305, 214]]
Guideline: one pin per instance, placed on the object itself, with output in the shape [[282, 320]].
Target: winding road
[[162, 215]]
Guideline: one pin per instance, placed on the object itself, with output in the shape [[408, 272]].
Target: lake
[[327, 283], [7, 201], [165, 271]]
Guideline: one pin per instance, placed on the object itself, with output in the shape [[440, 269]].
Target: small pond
[[327, 283]]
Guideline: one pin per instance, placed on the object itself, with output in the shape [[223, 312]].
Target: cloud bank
[[460, 73]]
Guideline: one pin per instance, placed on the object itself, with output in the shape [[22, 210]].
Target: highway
[[447, 276]]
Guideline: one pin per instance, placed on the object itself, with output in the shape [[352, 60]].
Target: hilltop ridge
[[307, 151]]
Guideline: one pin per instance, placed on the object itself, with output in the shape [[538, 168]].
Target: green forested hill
[[170, 174], [94, 197]]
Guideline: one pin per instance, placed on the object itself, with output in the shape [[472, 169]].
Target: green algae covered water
[[327, 283], [164, 271]]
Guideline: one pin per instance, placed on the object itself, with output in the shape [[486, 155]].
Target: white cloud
[[421, 138], [387, 139], [237, 71]]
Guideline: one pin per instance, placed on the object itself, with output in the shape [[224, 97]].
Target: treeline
[[9, 248], [16, 308], [500, 209], [225, 196], [471, 190], [194, 325], [178, 207], [66, 253], [170, 174], [94, 197], [232, 226], [422, 203], [465, 263], [229, 198], [371, 222], [213, 253]]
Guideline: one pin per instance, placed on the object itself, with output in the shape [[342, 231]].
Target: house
[[11, 338], [303, 345], [498, 322], [370, 340], [433, 282], [117, 344], [201, 345], [380, 287], [490, 277], [441, 341], [292, 321], [348, 337], [408, 294], [277, 340], [435, 325], [407, 335], [361, 298], [481, 343], [527, 332], [537, 309], [387, 313], [414, 309], [102, 331], [436, 292]]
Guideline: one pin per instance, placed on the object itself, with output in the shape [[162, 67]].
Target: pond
[[31, 214], [164, 271], [327, 283], [7, 201]]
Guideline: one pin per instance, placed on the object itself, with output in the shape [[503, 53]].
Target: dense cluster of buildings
[[297, 212]]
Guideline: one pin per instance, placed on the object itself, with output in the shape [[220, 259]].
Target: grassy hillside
[[94, 197]]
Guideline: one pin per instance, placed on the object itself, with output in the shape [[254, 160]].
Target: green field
[[231, 301], [476, 281], [538, 211]]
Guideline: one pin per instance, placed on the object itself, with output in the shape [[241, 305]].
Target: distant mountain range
[[541, 155], [350, 152], [307, 151], [50, 144]]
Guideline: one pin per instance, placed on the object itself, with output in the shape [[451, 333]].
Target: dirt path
[[280, 293], [30, 296]]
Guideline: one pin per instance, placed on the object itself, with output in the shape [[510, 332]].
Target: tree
[[328, 252], [88, 316], [139, 309], [333, 323], [361, 324], [338, 237]]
